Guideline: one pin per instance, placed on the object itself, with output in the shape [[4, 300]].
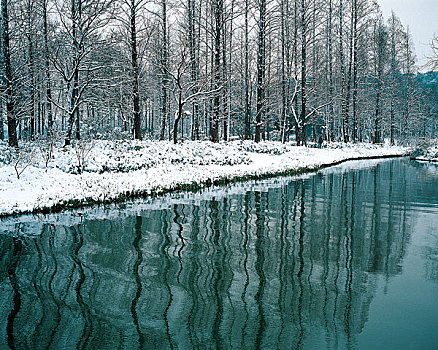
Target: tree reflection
[[294, 266], [16, 248]]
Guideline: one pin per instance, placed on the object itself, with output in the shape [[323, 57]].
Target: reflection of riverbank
[[295, 265], [429, 166]]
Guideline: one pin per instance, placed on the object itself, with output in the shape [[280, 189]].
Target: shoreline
[[73, 191], [424, 160]]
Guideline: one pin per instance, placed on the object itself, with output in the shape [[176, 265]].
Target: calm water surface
[[347, 258]]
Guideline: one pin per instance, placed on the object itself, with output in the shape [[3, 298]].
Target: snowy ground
[[34, 224], [427, 151], [112, 169]]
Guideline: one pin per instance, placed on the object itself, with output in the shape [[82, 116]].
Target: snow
[[427, 152], [33, 224], [116, 168]]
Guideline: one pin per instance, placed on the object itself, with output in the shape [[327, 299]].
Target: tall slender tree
[[261, 70], [380, 52], [394, 31], [218, 25], [30, 10], [48, 84], [134, 8], [355, 16], [7, 77], [303, 115], [247, 108], [194, 64], [164, 68]]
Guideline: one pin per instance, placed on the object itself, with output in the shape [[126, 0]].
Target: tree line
[[210, 69]]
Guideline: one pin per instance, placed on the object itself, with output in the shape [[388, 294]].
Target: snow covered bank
[[115, 170], [34, 224], [427, 151]]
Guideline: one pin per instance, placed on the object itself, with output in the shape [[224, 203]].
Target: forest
[[285, 70]]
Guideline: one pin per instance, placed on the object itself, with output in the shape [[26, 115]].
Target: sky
[[422, 18]]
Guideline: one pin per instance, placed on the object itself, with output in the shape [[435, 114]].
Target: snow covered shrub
[[426, 148], [47, 148], [421, 148], [266, 147], [6, 153], [23, 158], [82, 150]]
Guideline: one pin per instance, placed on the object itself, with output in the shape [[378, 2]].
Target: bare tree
[[218, 26], [301, 125], [380, 53], [47, 67], [394, 31], [81, 20], [134, 7], [194, 63], [261, 69], [433, 61], [246, 84], [29, 14], [164, 68], [308, 65], [7, 77]]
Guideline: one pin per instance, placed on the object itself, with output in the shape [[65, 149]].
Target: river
[[344, 258]]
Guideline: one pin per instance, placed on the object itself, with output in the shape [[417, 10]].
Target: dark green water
[[347, 258]]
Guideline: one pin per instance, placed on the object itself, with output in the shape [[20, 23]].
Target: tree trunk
[[178, 118], [74, 85], [33, 123], [283, 119], [381, 42], [342, 64], [11, 118], [346, 110], [331, 126], [303, 137], [230, 51], [348, 81], [135, 74], [2, 133], [394, 73], [164, 68], [47, 70], [246, 83], [295, 54], [194, 66], [355, 49], [218, 26], [408, 87], [261, 70], [391, 130], [225, 91], [72, 116]]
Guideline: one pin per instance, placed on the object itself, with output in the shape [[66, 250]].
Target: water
[[347, 258]]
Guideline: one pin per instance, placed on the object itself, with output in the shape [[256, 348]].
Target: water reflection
[[289, 267]]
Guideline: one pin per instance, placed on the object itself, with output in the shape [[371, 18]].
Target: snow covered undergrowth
[[427, 151], [115, 170]]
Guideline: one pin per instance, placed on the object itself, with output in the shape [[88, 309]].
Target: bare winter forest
[[211, 69], [218, 174]]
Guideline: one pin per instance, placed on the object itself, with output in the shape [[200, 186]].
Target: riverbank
[[112, 171], [427, 152]]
